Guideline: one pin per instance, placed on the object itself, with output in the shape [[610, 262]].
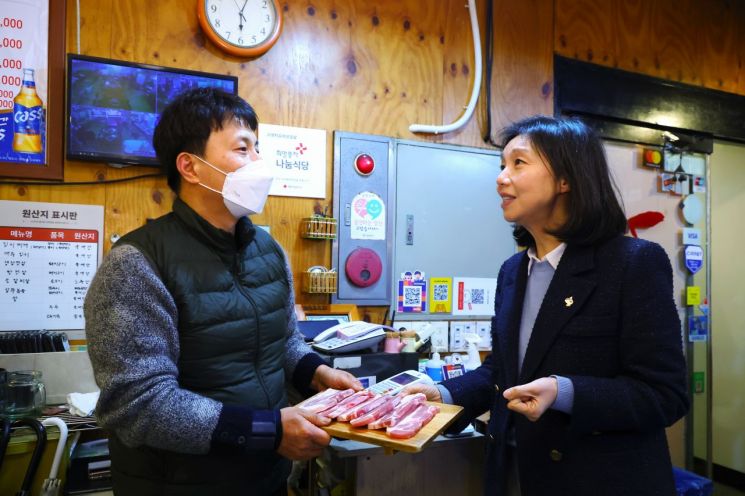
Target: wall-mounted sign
[[367, 216], [698, 328], [50, 253], [691, 236], [693, 295], [473, 295], [297, 156], [694, 258]]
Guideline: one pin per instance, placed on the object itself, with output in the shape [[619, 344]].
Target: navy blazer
[[609, 323]]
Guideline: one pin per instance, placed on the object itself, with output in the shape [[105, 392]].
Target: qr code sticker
[[412, 296], [477, 296], [440, 292]]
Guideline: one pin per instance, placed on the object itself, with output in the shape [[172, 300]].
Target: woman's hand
[[325, 377], [534, 398], [430, 391]]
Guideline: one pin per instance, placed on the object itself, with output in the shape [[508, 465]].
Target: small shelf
[[319, 282], [318, 227]]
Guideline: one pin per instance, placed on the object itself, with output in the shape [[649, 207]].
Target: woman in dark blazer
[[587, 367]]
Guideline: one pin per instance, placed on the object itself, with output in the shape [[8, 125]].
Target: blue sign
[[698, 328], [694, 258]]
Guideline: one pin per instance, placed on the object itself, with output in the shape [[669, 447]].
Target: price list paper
[[49, 253]]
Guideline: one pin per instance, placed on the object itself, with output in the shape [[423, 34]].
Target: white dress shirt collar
[[553, 257]]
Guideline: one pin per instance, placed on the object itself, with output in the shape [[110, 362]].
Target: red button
[[364, 164], [363, 267]]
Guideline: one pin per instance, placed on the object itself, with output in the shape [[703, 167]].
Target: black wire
[[488, 69], [85, 183]]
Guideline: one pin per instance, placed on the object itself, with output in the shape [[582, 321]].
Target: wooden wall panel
[[522, 77], [693, 42]]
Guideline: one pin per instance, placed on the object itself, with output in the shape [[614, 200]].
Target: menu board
[[49, 253]]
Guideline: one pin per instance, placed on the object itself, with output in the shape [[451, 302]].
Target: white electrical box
[[457, 341], [483, 330], [439, 335]]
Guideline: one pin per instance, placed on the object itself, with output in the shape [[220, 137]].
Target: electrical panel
[[362, 253]]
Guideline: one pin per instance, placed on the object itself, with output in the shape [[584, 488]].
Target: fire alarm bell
[[363, 267]]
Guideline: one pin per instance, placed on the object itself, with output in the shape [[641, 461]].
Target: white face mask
[[245, 190]]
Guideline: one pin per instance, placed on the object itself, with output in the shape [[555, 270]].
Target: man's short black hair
[[188, 121], [575, 153]]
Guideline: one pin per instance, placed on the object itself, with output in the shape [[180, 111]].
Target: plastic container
[[474, 359], [690, 484], [433, 367]]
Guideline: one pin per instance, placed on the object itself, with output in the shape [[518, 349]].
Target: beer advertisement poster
[[23, 80]]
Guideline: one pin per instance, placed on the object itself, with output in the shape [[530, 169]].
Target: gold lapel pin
[[569, 301]]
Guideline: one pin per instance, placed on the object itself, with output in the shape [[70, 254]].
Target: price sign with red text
[[49, 253], [24, 25]]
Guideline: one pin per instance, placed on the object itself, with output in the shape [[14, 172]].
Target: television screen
[[113, 106]]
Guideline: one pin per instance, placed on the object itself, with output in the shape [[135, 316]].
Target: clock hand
[[240, 14]]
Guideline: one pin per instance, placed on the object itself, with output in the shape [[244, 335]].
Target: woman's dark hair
[[575, 153], [188, 121]]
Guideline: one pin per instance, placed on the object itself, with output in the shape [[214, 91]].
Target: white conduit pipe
[[423, 128]]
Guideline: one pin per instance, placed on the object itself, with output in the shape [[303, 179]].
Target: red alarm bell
[[364, 164], [363, 267]]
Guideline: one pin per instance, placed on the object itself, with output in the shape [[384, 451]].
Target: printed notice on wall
[[367, 217], [297, 157], [473, 295], [24, 25], [50, 253]]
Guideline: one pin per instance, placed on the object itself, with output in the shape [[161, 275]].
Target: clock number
[[268, 19], [253, 39], [228, 36], [263, 4], [217, 22], [213, 8], [240, 41], [263, 31]]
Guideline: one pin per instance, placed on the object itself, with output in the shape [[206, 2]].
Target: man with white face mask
[[191, 327]]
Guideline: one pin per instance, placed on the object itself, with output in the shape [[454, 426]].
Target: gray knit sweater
[[133, 342]]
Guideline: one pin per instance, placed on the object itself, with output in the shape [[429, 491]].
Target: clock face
[[241, 27]]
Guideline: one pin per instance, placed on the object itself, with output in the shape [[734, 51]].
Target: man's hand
[[325, 377], [301, 439], [533, 398], [430, 391]]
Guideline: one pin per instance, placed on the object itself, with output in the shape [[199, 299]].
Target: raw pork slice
[[403, 407], [413, 422], [385, 407], [326, 399], [347, 403], [363, 409]]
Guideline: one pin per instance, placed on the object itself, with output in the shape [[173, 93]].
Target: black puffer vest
[[231, 293]]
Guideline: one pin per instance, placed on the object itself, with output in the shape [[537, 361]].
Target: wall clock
[[244, 28]]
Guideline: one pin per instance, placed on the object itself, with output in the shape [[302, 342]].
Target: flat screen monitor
[[113, 106]]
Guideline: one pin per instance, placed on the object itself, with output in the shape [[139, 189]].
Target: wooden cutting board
[[448, 413]]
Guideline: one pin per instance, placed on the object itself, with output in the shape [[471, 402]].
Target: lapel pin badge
[[569, 301]]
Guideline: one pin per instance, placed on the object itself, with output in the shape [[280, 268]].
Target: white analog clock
[[244, 28]]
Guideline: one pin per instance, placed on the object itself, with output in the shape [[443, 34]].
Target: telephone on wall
[[350, 336]]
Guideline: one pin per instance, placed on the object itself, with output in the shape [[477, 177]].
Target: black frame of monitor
[[122, 159]]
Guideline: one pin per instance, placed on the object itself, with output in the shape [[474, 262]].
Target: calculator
[[393, 385]]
